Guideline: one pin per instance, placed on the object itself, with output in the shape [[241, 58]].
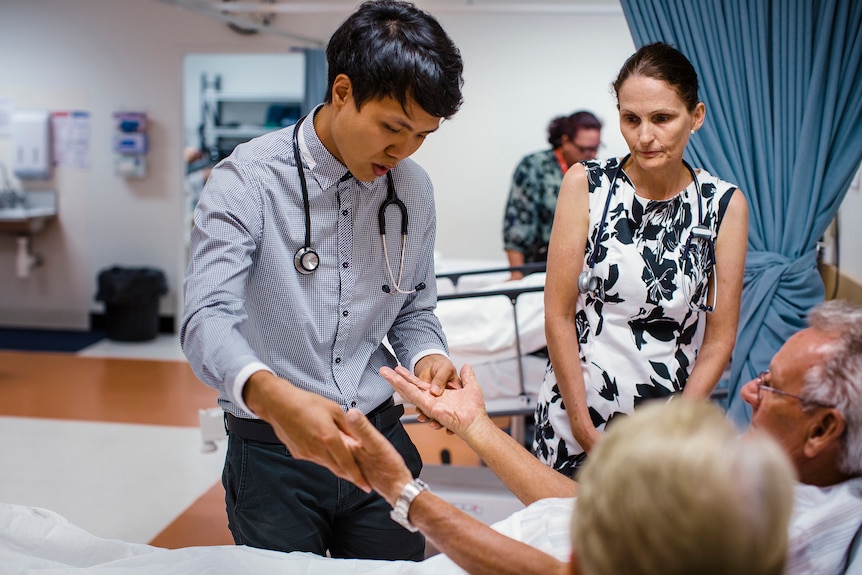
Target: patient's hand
[[456, 410], [380, 462]]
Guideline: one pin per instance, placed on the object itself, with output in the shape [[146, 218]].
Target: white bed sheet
[[501, 380], [481, 331], [38, 541]]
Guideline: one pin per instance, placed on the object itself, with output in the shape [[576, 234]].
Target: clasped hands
[[457, 409], [316, 429]]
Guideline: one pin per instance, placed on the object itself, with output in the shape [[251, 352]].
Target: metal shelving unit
[[228, 119]]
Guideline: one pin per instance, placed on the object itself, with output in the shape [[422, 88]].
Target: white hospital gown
[[823, 524]]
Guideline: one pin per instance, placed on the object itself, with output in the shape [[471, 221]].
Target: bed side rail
[[525, 269]]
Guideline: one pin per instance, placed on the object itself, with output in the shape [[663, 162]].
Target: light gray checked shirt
[[246, 306]]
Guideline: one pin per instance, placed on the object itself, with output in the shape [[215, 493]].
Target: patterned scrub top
[[531, 204], [641, 340]]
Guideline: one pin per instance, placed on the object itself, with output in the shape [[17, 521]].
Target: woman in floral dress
[[666, 254]]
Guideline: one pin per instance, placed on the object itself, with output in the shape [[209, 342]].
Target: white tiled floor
[[122, 481], [164, 346]]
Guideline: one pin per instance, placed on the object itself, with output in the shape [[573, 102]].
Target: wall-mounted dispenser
[[130, 144], [31, 144]]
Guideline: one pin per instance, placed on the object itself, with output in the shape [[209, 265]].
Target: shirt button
[[344, 313], [352, 404], [344, 212], [337, 360], [345, 265]]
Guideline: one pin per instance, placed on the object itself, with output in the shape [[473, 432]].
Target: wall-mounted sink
[[29, 213]]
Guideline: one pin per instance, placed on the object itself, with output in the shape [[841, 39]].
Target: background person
[[638, 330], [291, 345], [536, 184]]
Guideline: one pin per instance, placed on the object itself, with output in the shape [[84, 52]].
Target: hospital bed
[[498, 327], [35, 540], [508, 340]]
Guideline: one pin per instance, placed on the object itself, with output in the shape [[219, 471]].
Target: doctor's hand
[[457, 410], [312, 427], [378, 459], [439, 371]]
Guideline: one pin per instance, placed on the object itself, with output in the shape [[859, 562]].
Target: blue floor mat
[[48, 340]]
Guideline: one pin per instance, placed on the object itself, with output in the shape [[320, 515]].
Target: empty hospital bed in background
[[498, 327]]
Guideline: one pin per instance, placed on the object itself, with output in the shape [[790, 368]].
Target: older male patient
[[810, 400]]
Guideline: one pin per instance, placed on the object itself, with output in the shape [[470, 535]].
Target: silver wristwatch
[[402, 506]]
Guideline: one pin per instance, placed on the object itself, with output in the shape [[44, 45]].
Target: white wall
[[108, 55], [520, 71], [849, 234], [103, 56]]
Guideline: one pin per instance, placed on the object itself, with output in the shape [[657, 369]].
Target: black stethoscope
[[590, 283], [306, 259]]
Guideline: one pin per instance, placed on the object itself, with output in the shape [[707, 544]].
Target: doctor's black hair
[[393, 49], [662, 61]]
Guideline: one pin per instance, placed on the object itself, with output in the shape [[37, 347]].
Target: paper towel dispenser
[[31, 144]]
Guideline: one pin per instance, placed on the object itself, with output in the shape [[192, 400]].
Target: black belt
[[383, 416]]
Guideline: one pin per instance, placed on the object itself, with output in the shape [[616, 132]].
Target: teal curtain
[[782, 83]]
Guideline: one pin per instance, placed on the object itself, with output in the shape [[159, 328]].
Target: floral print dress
[[640, 341], [531, 204]]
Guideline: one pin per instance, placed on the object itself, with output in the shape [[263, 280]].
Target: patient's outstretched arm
[[473, 545], [462, 411]]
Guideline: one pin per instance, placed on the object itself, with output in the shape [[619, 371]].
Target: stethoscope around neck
[[306, 259], [591, 283]]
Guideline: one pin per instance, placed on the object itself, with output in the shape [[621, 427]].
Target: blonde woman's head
[[673, 489]]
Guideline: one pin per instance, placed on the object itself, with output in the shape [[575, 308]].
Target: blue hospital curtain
[[782, 83]]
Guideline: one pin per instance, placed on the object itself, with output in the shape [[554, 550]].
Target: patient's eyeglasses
[[761, 386]]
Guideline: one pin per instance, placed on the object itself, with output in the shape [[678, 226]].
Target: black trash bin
[[131, 297]]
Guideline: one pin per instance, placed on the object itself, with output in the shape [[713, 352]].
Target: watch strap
[[400, 511]]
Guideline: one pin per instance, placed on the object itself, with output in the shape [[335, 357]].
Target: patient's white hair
[[673, 489], [838, 380]]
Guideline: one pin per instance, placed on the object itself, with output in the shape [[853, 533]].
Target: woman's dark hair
[[393, 49], [662, 62], [570, 126]]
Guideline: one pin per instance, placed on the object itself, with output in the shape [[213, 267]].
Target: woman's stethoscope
[[306, 259], [590, 283]]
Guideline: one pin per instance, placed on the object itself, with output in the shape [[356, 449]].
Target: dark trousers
[[277, 502]]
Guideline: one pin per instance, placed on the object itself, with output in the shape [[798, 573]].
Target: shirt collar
[[324, 167]]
